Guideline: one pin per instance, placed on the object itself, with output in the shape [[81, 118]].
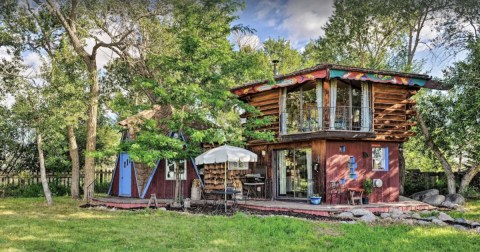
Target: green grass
[[472, 213], [27, 224]]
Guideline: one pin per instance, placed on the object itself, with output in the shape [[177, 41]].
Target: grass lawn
[[472, 213], [27, 224]]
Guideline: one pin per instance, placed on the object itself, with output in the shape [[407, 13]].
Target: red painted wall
[[165, 189], [337, 168]]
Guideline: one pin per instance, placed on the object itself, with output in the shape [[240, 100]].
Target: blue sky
[[302, 20]]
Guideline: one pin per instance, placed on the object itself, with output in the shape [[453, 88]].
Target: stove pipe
[[275, 67]]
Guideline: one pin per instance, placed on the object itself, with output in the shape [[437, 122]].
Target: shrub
[[33, 190], [102, 187]]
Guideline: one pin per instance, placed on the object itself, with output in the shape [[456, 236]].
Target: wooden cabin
[[334, 125], [137, 180]]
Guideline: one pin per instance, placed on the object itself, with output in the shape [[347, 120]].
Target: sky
[[302, 20]]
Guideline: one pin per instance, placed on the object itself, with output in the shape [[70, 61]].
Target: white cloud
[[33, 62], [4, 54], [267, 7], [253, 41], [304, 19], [104, 55]]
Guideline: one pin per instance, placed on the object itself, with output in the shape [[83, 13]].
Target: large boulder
[[358, 212], [434, 200], [455, 198], [368, 218], [345, 215], [444, 217], [423, 194]]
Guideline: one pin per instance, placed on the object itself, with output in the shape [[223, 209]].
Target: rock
[[431, 218], [475, 224], [461, 221], [439, 222], [449, 204], [408, 221], [349, 222], [345, 215], [444, 217], [455, 199], [385, 215], [416, 216], [360, 212], [423, 223], [423, 194], [434, 200], [396, 213], [162, 209], [368, 218], [477, 229], [459, 227]]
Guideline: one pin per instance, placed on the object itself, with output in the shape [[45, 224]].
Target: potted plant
[[315, 199], [368, 187]]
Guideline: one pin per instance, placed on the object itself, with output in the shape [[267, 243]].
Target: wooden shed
[[137, 180]]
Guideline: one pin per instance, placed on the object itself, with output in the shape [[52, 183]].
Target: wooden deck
[[405, 204]]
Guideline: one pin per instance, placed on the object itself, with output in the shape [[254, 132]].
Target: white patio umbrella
[[226, 154]]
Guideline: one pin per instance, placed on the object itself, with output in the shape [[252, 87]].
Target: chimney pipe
[[275, 67]]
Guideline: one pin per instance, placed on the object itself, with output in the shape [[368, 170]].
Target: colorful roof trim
[[281, 83], [381, 78]]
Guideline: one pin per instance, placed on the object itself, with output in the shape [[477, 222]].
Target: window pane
[[378, 158]]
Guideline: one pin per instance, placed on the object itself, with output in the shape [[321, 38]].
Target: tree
[[280, 49], [90, 20], [452, 129], [359, 33], [190, 83]]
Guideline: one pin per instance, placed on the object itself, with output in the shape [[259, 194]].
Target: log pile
[[215, 176]]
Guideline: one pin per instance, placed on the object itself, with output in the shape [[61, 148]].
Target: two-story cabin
[[334, 124]]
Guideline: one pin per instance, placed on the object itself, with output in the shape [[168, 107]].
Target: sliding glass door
[[294, 173]]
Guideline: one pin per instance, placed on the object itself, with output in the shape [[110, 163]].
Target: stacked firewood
[[215, 177]]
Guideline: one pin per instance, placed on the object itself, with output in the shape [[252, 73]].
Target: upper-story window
[[346, 110], [301, 109], [311, 107]]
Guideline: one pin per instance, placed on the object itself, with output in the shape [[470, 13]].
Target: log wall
[[393, 112]]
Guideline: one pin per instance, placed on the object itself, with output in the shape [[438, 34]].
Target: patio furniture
[[355, 194], [225, 155], [337, 190], [220, 195], [252, 189], [252, 183]]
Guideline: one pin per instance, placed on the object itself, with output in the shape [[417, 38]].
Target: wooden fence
[[63, 178]]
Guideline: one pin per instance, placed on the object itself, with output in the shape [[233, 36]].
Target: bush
[[102, 187], [34, 190]]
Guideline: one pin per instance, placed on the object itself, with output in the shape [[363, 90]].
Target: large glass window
[[301, 109], [295, 173], [348, 105]]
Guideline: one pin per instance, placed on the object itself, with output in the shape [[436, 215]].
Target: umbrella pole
[[225, 187]]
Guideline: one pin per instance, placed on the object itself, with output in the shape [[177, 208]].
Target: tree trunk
[[467, 178], [401, 166], [91, 132], [75, 186], [43, 173], [447, 168], [177, 202]]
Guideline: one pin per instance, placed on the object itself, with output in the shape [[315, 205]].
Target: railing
[[344, 118]]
